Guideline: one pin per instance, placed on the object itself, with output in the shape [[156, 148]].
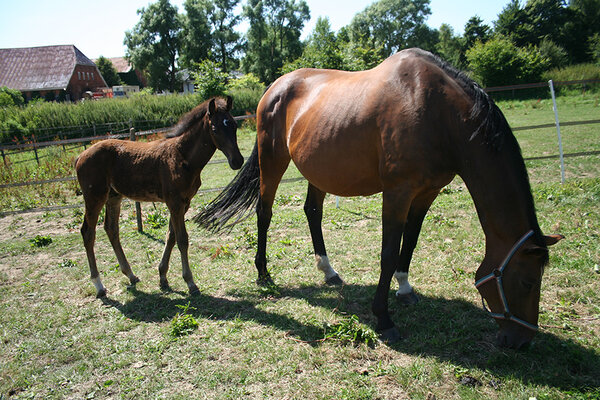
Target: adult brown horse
[[404, 128], [166, 170]]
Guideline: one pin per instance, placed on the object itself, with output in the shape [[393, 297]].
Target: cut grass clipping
[[350, 330], [183, 323]]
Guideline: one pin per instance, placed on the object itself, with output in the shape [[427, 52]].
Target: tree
[[500, 62], [475, 30], [154, 44], [196, 40], [449, 47], [321, 51], [108, 71], [209, 79], [10, 97], [274, 35], [389, 23]]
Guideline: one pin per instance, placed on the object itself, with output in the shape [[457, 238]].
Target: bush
[[246, 92], [499, 62], [209, 79], [10, 97]]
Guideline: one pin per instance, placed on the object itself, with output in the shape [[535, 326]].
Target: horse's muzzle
[[514, 338], [236, 161]]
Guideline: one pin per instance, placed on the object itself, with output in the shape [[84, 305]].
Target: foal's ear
[[553, 239], [229, 103], [212, 107]]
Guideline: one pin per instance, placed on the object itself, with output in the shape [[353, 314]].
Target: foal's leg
[[418, 209], [313, 208], [178, 225], [395, 210], [163, 267], [111, 226], [88, 232]]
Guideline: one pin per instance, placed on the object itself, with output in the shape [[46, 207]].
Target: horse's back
[[354, 133]]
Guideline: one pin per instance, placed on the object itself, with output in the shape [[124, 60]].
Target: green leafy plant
[[66, 263], [183, 323], [40, 241], [157, 219], [350, 330]]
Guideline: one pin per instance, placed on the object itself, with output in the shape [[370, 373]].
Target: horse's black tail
[[235, 200]]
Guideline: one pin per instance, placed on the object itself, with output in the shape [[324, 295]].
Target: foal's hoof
[[390, 335], [133, 280], [101, 294], [408, 299], [165, 287], [335, 280], [194, 291]]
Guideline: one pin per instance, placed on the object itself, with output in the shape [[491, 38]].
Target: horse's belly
[[344, 173]]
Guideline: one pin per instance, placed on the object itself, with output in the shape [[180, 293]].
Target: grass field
[[59, 341]]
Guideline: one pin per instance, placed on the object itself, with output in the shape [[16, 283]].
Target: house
[[129, 75], [50, 72]]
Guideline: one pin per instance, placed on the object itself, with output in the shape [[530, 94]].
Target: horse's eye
[[527, 285]]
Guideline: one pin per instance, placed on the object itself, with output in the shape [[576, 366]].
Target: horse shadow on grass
[[451, 330]]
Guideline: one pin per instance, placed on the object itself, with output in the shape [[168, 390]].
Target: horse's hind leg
[[313, 208], [111, 226], [418, 209]]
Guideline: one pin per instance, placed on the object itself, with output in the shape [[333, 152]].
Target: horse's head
[[512, 290], [223, 130]]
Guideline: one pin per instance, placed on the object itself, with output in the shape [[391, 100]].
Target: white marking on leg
[[98, 284], [325, 267], [403, 285]]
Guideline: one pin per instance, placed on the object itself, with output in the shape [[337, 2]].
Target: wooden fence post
[[138, 206]]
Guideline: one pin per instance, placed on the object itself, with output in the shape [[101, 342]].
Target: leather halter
[[497, 275]]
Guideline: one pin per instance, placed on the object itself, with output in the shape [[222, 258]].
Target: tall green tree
[[274, 35], [196, 39], [450, 47], [321, 50], [475, 30], [154, 43], [389, 23], [108, 71]]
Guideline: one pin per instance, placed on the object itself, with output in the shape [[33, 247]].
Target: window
[[78, 75]]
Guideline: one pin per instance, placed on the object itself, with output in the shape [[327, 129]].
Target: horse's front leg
[[313, 208], [178, 225], [163, 267], [418, 209], [395, 210]]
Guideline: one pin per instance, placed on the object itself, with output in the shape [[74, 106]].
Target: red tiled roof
[[40, 68]]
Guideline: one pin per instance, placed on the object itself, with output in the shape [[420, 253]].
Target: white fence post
[[560, 149]]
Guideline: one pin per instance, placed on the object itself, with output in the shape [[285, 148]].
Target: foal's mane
[[188, 120]]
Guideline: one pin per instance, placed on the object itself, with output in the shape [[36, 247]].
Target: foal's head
[[223, 130]]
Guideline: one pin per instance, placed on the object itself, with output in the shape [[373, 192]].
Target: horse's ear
[[229, 103], [212, 107], [553, 239]]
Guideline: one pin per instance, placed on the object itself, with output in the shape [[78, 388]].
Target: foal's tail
[[235, 200]]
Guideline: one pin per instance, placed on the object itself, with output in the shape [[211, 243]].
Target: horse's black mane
[[493, 126], [496, 132]]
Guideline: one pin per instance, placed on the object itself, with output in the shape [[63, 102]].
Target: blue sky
[[97, 27]]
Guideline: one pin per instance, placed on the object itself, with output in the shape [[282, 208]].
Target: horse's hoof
[[334, 281], [408, 299], [165, 287], [194, 291], [101, 294], [390, 335], [133, 280], [265, 281]]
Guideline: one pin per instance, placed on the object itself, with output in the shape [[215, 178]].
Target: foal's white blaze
[[403, 285], [324, 266], [98, 284]]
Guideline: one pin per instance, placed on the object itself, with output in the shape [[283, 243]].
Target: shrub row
[[48, 120]]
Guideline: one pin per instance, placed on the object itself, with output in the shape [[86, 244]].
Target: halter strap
[[497, 275]]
